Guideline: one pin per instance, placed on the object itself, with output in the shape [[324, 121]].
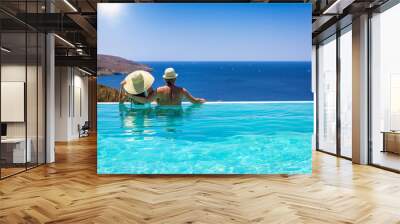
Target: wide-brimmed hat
[[170, 73], [137, 82]]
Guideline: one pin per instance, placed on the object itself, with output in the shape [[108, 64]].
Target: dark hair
[[170, 83], [141, 94]]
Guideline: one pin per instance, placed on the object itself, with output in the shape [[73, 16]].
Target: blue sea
[[235, 81]]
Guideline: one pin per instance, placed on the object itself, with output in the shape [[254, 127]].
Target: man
[[170, 94]]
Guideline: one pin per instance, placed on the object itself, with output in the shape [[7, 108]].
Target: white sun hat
[[170, 73], [138, 82]]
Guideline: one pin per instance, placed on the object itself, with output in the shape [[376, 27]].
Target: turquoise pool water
[[214, 138]]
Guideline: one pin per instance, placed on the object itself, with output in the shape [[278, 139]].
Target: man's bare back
[[173, 95], [167, 95]]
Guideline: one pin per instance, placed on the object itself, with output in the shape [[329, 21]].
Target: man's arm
[[191, 98], [139, 99], [152, 96]]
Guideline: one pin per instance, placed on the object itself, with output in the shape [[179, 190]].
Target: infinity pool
[[214, 138]]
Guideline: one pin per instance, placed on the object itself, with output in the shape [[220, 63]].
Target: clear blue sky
[[205, 32]]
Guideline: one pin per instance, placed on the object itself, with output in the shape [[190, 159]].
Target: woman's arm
[[122, 93], [191, 98]]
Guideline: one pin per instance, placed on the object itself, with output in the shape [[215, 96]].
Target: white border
[[226, 102]]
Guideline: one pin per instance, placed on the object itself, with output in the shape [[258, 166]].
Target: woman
[[137, 83]]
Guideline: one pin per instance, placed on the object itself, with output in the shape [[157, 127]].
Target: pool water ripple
[[248, 138]]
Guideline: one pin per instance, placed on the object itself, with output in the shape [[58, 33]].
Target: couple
[[138, 87]]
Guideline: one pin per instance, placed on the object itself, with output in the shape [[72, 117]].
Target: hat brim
[[165, 77], [135, 89]]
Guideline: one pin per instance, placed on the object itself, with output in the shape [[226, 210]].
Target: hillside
[[108, 64], [107, 94]]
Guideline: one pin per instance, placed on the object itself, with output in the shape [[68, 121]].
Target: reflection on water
[[210, 138], [139, 119]]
